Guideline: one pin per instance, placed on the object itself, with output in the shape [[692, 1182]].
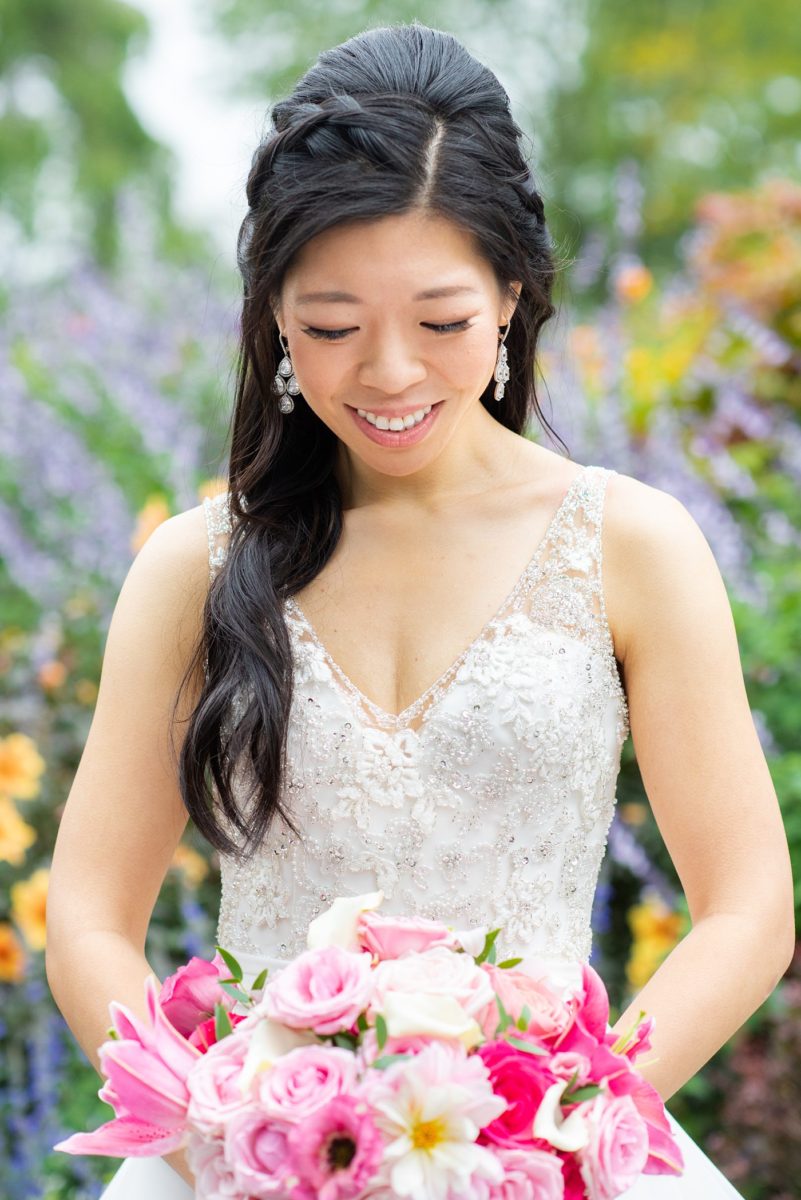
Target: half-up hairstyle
[[393, 120]]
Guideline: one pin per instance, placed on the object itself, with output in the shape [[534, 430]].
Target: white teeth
[[395, 423]]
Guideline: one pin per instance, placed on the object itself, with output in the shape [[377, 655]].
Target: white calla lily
[[410, 1014], [571, 1133], [336, 926]]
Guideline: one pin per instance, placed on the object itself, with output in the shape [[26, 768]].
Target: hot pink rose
[[205, 1035], [522, 1079], [188, 997], [551, 1014], [390, 937], [324, 989], [256, 1147], [437, 972], [213, 1084], [302, 1080], [618, 1147]]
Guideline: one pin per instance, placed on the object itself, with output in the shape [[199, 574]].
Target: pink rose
[[527, 1174], [367, 1051], [522, 1079], [435, 972], [256, 1146], [665, 1156], [213, 1084], [188, 997], [324, 990], [551, 1014], [214, 1176], [390, 937], [617, 1150], [302, 1080]]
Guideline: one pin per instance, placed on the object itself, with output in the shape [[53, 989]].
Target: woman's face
[[391, 316]]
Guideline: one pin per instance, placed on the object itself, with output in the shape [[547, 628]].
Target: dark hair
[[395, 119]]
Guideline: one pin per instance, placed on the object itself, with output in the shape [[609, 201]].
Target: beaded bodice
[[487, 801]]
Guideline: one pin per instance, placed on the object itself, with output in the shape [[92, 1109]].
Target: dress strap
[[218, 528]]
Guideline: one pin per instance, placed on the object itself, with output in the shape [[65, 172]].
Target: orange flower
[[51, 675], [16, 836], [21, 765], [29, 907], [12, 955], [633, 283], [153, 513]]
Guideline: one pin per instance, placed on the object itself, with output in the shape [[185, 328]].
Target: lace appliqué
[[487, 801]]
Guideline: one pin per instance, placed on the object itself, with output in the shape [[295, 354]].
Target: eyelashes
[[336, 335]]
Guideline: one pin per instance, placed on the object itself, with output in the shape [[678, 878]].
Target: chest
[[399, 603]]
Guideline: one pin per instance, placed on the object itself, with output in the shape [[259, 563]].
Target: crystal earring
[[501, 375], [285, 384]]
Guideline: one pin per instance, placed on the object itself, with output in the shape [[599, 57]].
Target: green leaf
[[509, 962], [231, 963], [380, 1031], [362, 1022], [346, 1040], [387, 1060], [529, 1047], [259, 981], [583, 1093], [525, 1017], [236, 993], [505, 1019], [489, 942], [112, 1034], [222, 1023]]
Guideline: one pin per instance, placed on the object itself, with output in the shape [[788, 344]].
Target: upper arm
[[695, 741], [124, 815]]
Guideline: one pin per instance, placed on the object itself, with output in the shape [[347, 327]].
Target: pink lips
[[400, 437]]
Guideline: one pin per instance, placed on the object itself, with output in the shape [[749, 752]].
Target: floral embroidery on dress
[[487, 801]]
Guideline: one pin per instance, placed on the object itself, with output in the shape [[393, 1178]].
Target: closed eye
[[335, 335]]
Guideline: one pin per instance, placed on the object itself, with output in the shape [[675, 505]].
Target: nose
[[391, 365]]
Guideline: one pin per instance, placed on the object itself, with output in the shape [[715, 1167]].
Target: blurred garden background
[[667, 143]]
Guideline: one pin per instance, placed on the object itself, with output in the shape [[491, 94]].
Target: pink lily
[[146, 1070]]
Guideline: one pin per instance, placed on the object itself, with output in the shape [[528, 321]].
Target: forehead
[[410, 253]]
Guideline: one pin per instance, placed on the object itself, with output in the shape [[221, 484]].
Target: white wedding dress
[[485, 802]]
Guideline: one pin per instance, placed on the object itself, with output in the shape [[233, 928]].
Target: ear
[[510, 305]]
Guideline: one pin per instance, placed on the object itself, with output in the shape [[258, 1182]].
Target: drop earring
[[285, 384], [501, 375]]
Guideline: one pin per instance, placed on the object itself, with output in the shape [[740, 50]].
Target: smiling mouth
[[372, 415]]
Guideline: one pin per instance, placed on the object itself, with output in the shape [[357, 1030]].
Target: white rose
[[336, 926]]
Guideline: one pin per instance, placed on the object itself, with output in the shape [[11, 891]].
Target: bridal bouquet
[[392, 1058]]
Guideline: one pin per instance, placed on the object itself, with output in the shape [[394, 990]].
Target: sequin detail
[[487, 801]]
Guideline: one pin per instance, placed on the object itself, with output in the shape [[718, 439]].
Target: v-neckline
[[398, 720]]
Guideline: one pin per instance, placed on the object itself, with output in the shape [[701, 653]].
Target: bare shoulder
[[658, 564]]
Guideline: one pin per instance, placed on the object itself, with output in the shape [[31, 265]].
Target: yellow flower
[[86, 691], [12, 955], [16, 836], [152, 514], [212, 487], [21, 765], [656, 931], [193, 865], [29, 907]]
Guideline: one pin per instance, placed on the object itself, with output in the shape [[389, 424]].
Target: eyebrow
[[346, 297]]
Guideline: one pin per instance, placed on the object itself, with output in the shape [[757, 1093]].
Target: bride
[[308, 632]]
